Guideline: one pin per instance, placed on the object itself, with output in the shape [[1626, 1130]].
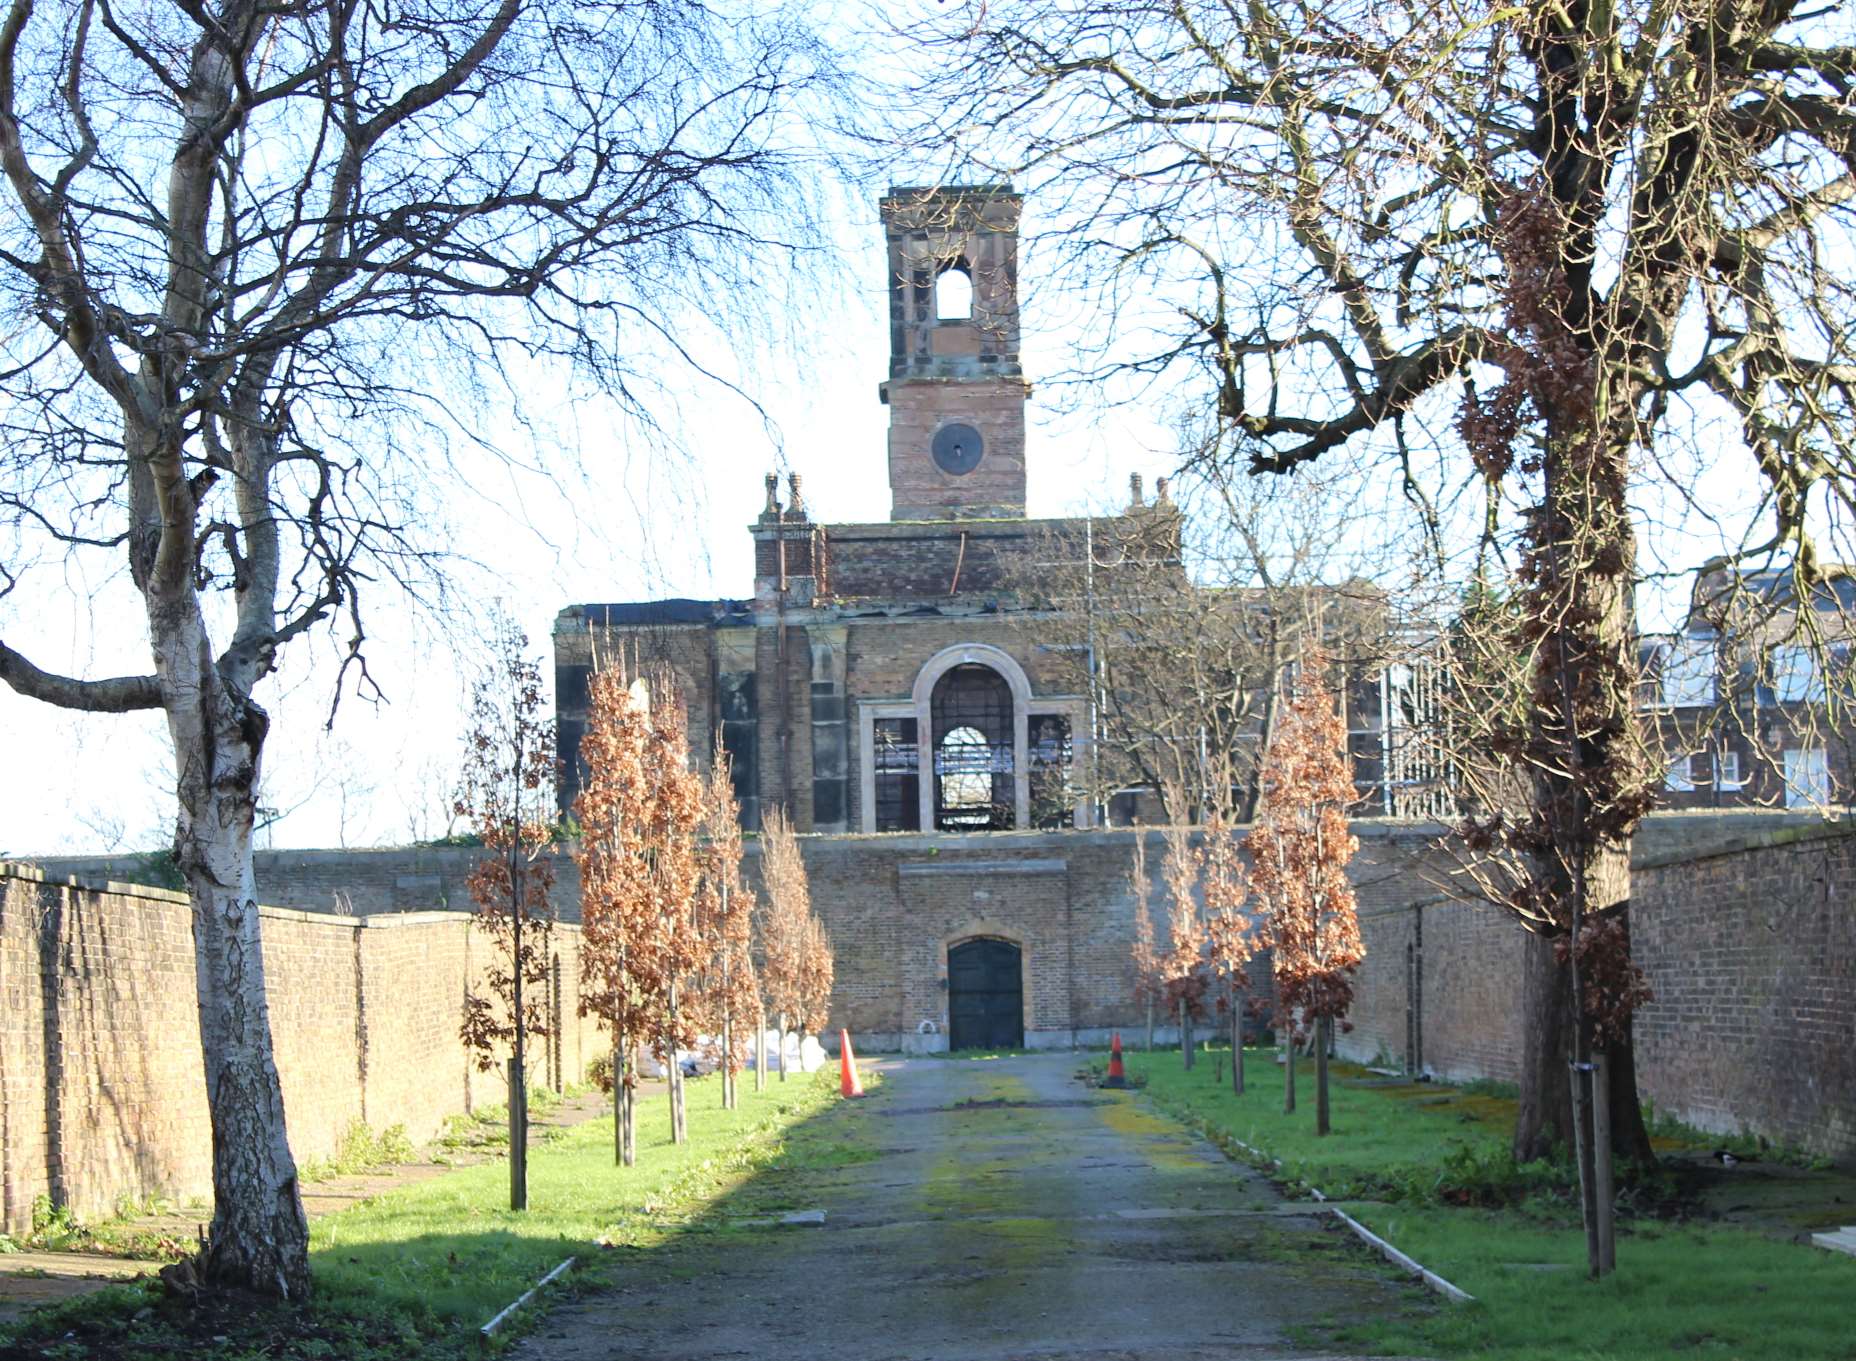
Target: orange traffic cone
[[1117, 1075], [848, 1085]]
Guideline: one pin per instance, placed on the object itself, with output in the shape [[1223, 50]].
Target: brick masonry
[[1750, 1028], [102, 1096], [1751, 950]]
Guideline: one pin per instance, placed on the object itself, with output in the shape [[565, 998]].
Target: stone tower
[[955, 392]]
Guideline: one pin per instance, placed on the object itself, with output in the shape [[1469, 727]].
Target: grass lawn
[[1400, 1154], [417, 1271]]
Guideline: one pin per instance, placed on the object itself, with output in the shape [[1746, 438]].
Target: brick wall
[[1748, 939], [894, 904], [102, 1096]]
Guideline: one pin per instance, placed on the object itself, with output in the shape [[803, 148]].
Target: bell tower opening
[[955, 390]]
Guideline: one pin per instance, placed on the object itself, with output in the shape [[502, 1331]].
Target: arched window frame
[[919, 707]]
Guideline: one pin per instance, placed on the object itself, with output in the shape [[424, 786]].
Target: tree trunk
[[1237, 1040], [618, 1100], [782, 1046], [760, 1050], [260, 1238], [518, 1136], [1150, 1025], [1543, 1114], [1288, 1070], [1321, 1075], [728, 1061], [628, 1121], [1185, 1034], [1543, 1117], [679, 1130]]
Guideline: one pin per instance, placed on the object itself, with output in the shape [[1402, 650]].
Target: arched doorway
[[972, 720], [985, 995]]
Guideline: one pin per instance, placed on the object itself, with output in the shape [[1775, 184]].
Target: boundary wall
[[1749, 946], [102, 1090]]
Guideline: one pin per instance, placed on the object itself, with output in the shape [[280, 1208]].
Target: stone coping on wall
[[1794, 829], [960, 865], [374, 921]]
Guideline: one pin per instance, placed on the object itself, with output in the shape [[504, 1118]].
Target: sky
[[625, 521]]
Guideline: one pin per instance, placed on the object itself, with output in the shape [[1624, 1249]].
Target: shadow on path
[[996, 1211]]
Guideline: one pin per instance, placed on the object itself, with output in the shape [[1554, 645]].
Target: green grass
[[415, 1272], [451, 1249], [362, 1149], [1397, 1141], [1681, 1291]]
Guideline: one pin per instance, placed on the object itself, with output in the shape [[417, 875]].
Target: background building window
[[1807, 778], [1727, 768], [1796, 678], [1688, 672], [1680, 776], [1052, 803], [897, 759]]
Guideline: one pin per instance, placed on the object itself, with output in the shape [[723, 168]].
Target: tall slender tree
[[783, 925], [1149, 987], [1300, 847], [259, 263], [731, 988], [1182, 967], [817, 972], [508, 797], [617, 893], [676, 875], [1230, 935]]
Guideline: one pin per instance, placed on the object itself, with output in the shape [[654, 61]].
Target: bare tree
[[1149, 986], [1510, 249], [730, 991], [1181, 617], [259, 262], [783, 925], [1182, 966], [1231, 937], [508, 797], [1299, 851], [618, 886]]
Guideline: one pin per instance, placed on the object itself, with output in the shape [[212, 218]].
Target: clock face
[[957, 449]]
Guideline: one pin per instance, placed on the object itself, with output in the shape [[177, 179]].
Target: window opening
[[953, 293], [897, 758], [972, 710], [1807, 778], [1051, 800], [1688, 667], [1796, 678]]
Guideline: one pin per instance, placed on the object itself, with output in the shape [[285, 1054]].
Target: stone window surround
[[919, 707]]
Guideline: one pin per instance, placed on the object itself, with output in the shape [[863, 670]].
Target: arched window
[[972, 720], [953, 293]]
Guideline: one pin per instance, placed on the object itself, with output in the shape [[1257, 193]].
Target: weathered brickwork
[[895, 904], [1751, 950], [102, 1097], [887, 561]]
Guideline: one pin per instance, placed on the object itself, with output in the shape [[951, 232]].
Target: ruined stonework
[[828, 682]]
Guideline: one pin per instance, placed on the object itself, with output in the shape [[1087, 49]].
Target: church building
[[882, 677]]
